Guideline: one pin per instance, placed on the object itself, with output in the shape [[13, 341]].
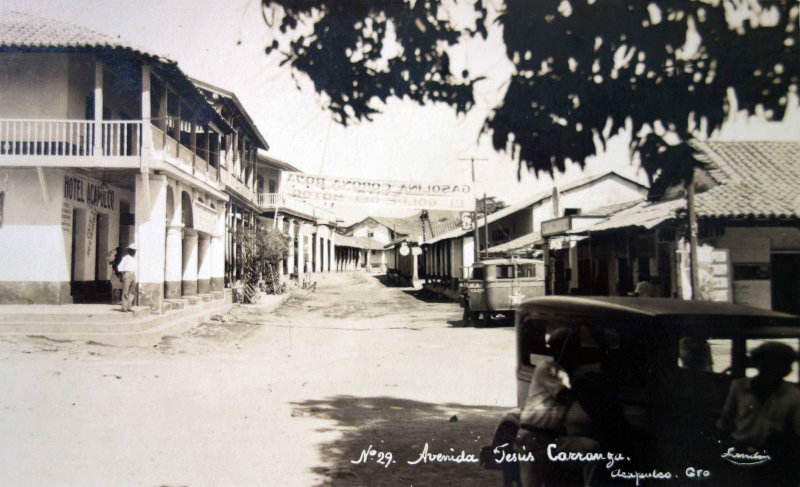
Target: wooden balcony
[[171, 151], [86, 143], [70, 143], [233, 182]]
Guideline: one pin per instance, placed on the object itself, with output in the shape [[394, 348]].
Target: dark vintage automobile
[[670, 400], [498, 286]]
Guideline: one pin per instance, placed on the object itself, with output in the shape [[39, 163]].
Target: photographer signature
[[746, 458]]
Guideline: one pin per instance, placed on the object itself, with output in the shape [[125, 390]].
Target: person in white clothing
[[127, 267]]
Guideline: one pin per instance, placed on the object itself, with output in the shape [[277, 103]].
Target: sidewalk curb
[[154, 328]]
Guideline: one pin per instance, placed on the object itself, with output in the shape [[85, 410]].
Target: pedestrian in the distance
[[127, 267]]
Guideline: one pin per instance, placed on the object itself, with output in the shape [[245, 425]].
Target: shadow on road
[[427, 296], [384, 279], [494, 322], [402, 427]]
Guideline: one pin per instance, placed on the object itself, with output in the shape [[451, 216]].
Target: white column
[[173, 265], [468, 251], [332, 253], [204, 264], [98, 107], [324, 255], [189, 287], [147, 133], [290, 257], [300, 253], [218, 252], [317, 245], [174, 261], [151, 234], [279, 227]]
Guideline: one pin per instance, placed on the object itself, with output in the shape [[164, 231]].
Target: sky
[[222, 42]]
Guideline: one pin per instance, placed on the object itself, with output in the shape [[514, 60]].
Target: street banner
[[402, 194]]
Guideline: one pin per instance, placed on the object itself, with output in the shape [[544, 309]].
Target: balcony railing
[[70, 138], [278, 201], [79, 142], [270, 200]]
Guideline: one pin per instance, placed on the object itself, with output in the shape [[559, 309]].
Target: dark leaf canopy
[[583, 68], [583, 64], [343, 52]]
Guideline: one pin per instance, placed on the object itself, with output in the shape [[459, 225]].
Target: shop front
[[60, 231]]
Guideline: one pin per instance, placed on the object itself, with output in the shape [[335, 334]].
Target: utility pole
[[692, 237], [485, 226], [475, 234]]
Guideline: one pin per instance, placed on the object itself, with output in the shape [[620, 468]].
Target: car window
[[526, 271], [617, 351], [532, 341], [751, 344], [477, 272], [705, 353], [624, 354], [504, 271]]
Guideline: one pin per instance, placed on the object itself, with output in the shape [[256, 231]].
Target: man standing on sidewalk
[[127, 267]]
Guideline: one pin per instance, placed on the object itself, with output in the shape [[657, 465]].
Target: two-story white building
[[239, 172], [103, 144], [310, 227]]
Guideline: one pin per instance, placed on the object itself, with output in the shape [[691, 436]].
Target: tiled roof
[[21, 30], [357, 242], [26, 32], [442, 227], [264, 159], [754, 179], [611, 209], [401, 226], [412, 225], [430, 232]]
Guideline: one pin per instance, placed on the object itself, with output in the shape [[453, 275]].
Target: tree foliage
[[342, 54], [583, 69], [261, 251], [493, 204]]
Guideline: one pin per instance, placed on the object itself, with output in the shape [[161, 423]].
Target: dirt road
[[293, 397]]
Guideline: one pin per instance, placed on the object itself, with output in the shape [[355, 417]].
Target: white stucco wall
[[34, 85], [56, 86], [380, 232], [604, 192], [753, 245], [38, 233], [32, 243]]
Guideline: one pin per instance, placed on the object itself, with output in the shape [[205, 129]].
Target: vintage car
[[671, 363], [498, 286]]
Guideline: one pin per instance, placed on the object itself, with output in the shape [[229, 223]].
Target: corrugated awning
[[644, 215], [524, 242]]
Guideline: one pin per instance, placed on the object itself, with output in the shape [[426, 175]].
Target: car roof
[[653, 307]]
